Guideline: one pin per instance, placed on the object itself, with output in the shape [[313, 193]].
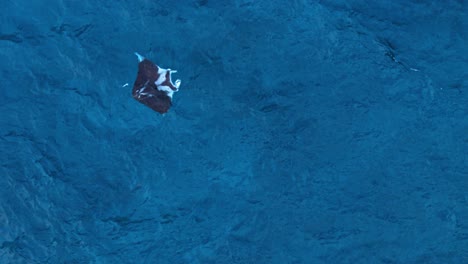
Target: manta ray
[[153, 86]]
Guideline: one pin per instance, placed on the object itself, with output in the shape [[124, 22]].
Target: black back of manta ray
[[145, 90]]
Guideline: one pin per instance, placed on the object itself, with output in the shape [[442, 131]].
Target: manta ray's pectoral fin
[[140, 58]]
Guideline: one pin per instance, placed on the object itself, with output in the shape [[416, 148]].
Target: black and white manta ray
[[153, 86]]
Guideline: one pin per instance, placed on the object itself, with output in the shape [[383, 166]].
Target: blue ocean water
[[303, 132]]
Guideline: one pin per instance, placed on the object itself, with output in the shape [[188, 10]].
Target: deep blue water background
[[303, 132]]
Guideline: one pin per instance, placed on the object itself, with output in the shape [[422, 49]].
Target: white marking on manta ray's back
[[140, 58], [140, 92], [166, 89], [161, 77]]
